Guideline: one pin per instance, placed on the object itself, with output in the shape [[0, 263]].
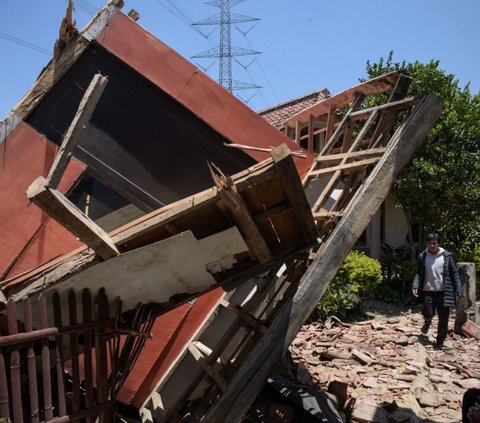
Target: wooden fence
[[61, 371]]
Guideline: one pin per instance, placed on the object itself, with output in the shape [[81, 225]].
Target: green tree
[[440, 189]]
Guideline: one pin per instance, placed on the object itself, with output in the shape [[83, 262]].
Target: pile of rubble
[[384, 370]]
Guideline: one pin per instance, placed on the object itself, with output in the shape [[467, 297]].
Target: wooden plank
[[101, 355], [46, 376], [72, 311], [4, 401], [336, 158], [252, 322], [57, 320], [15, 376], [77, 127], [57, 206], [87, 350], [31, 365], [249, 230], [209, 370], [310, 134], [250, 378], [394, 107], [322, 214], [386, 121], [345, 168], [331, 117], [294, 191], [266, 150]]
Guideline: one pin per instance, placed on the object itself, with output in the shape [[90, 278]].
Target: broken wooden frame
[[347, 184], [273, 222]]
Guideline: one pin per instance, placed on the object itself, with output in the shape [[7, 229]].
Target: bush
[[398, 271], [358, 276]]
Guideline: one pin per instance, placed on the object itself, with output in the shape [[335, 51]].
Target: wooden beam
[[250, 378], [310, 134], [294, 191], [251, 321], [345, 167], [74, 133], [64, 212], [362, 154], [395, 106], [239, 210], [386, 121], [209, 370]]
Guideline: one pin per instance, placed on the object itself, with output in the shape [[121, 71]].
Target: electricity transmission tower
[[225, 51]]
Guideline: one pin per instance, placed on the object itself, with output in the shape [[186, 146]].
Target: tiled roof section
[[278, 114]]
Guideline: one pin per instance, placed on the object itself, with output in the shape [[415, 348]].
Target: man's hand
[[415, 292]]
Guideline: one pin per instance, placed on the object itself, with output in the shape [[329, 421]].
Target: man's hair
[[433, 235]]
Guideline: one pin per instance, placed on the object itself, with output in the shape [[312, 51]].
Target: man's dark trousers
[[433, 301]]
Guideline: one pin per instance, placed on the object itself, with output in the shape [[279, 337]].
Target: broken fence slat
[[101, 358], [57, 320], [87, 346], [15, 377], [4, 402], [31, 365], [47, 381], [72, 312]]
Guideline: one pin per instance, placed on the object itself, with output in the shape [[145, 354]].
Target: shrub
[[398, 271], [358, 276]]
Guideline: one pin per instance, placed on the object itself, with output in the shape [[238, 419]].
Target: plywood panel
[[154, 273]]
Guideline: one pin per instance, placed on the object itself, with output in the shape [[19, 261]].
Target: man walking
[[436, 283]]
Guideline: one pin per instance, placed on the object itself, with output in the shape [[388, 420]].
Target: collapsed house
[[173, 242]]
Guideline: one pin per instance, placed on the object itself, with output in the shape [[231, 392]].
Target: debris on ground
[[392, 371]]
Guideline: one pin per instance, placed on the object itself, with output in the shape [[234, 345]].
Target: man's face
[[433, 246]]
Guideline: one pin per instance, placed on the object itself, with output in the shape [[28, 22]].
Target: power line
[[25, 43], [261, 69], [182, 16], [85, 7]]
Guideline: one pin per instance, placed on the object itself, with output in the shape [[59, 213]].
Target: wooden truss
[[365, 152]]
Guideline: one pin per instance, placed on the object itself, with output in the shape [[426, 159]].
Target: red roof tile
[[278, 114]]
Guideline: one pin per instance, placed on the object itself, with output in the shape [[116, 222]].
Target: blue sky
[[306, 45]]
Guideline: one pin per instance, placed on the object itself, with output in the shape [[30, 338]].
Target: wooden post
[[466, 307]]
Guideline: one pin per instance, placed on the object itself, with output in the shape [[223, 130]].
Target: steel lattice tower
[[226, 51]]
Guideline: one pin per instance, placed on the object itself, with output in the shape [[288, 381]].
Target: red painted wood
[[28, 236], [171, 333], [193, 89]]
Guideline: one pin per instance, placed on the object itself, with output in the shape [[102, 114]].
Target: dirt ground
[[392, 372]]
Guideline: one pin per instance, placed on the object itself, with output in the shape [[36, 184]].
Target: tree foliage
[[440, 189]]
